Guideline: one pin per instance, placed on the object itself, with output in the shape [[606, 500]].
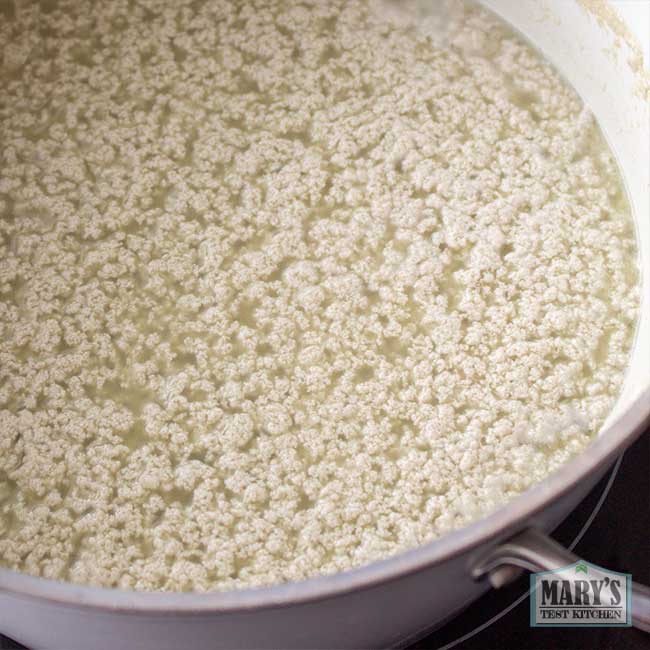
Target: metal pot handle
[[535, 551]]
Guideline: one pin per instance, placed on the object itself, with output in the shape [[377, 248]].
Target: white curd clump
[[287, 287]]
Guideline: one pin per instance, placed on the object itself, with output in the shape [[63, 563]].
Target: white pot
[[383, 603]]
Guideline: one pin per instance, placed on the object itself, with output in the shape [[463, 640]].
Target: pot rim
[[500, 523]]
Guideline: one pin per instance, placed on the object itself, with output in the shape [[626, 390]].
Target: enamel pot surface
[[389, 602]]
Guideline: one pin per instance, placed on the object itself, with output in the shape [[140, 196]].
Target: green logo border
[[533, 597]]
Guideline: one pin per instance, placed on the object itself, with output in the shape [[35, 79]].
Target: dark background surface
[[618, 538]]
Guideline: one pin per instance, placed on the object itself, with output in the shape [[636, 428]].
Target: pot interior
[[599, 55]]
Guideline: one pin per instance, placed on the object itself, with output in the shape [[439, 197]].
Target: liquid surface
[[288, 287]]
